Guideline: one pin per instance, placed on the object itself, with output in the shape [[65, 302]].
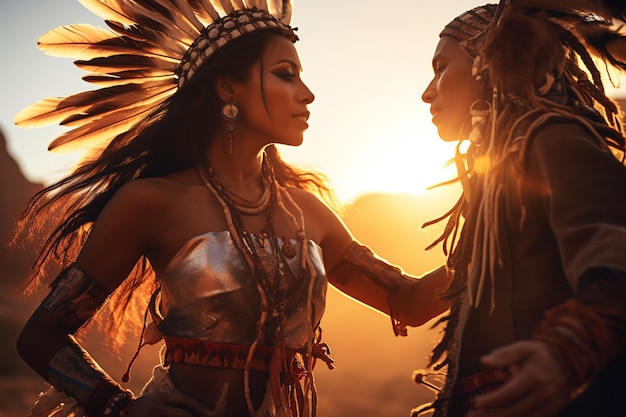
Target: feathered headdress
[[153, 47], [518, 40]]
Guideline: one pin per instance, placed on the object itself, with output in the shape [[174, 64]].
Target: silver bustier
[[208, 292]]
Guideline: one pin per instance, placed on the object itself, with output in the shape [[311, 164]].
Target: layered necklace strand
[[264, 268], [268, 270]]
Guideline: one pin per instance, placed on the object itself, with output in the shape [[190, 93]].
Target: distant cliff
[[15, 191], [18, 383]]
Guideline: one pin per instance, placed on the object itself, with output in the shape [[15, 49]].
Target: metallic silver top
[[208, 292]]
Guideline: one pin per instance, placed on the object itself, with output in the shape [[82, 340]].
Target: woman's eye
[[286, 76]]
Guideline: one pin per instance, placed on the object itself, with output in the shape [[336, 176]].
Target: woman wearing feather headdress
[[189, 213], [537, 241]]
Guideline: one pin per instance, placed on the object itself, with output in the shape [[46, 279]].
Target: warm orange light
[[410, 163], [482, 164]]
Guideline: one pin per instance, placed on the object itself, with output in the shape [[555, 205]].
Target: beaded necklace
[[271, 274]]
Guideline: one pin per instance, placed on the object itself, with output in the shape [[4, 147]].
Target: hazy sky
[[367, 63]]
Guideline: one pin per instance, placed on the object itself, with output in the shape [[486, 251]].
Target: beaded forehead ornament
[[470, 23], [470, 26], [224, 30], [151, 49]]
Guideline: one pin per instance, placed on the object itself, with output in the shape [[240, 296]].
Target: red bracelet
[[579, 338]]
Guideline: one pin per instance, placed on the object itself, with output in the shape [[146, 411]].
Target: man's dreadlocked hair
[[548, 74]]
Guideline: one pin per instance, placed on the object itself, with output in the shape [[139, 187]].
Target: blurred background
[[368, 63]]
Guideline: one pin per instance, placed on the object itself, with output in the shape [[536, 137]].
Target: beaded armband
[[360, 261], [74, 298], [74, 372]]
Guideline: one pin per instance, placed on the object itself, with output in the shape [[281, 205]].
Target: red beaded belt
[[469, 387], [202, 352]]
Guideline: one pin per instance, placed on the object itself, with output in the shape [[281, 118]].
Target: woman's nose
[[308, 96]]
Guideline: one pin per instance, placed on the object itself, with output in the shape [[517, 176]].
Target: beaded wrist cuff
[[74, 372], [108, 399]]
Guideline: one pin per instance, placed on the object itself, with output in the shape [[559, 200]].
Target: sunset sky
[[367, 62]]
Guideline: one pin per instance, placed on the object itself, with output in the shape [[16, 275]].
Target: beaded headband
[[599, 25], [152, 49], [224, 30], [470, 23], [468, 27]]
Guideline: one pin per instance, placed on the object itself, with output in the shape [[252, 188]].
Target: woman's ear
[[223, 86]]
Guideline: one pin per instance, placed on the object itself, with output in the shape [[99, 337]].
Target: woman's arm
[[407, 299], [120, 235], [356, 271], [115, 243]]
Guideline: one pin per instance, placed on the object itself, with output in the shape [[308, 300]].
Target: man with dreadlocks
[[537, 241]]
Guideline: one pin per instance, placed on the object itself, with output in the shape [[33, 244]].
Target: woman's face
[[452, 90], [273, 101]]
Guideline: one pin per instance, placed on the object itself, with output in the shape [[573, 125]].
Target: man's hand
[[538, 387]]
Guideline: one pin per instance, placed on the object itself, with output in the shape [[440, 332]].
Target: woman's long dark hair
[[171, 139]]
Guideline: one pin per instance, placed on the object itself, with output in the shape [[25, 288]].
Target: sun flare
[[409, 162]]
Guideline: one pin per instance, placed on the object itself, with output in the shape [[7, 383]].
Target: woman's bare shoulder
[[143, 201], [148, 191], [304, 197], [313, 203], [142, 192], [315, 210]]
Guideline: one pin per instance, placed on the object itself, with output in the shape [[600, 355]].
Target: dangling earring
[[480, 112], [230, 113]]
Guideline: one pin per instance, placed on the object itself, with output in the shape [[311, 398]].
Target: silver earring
[[480, 112], [230, 113]]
